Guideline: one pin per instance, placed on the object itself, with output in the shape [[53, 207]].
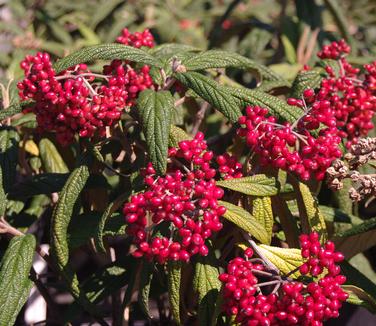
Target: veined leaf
[[275, 105], [170, 49], [225, 59], [108, 213], [310, 214], [304, 80], [256, 185], [262, 211], [9, 140], [61, 217], [268, 86], [286, 259], [207, 285], [52, 160], [177, 135], [240, 217], [212, 92], [145, 283], [85, 226], [106, 52], [14, 109], [174, 279], [155, 110], [360, 297], [14, 277]]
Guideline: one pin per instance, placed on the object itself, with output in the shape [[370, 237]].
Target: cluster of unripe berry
[[278, 300], [288, 147], [77, 101], [178, 212]]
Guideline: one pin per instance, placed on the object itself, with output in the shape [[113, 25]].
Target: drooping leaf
[[244, 220], [174, 279], [269, 86], [310, 215], [360, 297], [285, 259], [14, 277], [357, 239], [207, 285], [51, 159], [262, 211], [177, 135], [61, 217], [155, 109], [256, 185], [101, 284], [108, 216], [9, 140], [225, 59], [275, 105], [106, 52], [212, 92], [145, 283], [47, 183], [85, 226]]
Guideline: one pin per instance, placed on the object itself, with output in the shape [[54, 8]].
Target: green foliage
[[256, 185], [14, 277], [155, 109]]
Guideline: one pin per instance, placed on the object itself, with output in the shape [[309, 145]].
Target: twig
[[180, 101], [199, 117], [302, 44], [310, 46], [257, 250]]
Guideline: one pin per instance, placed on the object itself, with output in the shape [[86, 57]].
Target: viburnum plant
[[217, 230]]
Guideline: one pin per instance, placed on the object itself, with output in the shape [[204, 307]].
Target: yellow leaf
[[31, 147]]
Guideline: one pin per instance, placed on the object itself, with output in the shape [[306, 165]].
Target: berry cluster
[[174, 216], [229, 167], [288, 147], [78, 101], [136, 40], [304, 302], [346, 101]]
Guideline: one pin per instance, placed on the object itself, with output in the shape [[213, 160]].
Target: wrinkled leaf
[[244, 220], [256, 185]]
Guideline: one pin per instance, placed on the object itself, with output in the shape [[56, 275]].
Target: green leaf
[[9, 140], [269, 86], [207, 285], [275, 105], [359, 297], [262, 211], [244, 220], [286, 259], [357, 239], [101, 227], [14, 277], [155, 109], [145, 283], [256, 185], [174, 279], [100, 285], [167, 50], [14, 109], [304, 80], [47, 183], [177, 135], [106, 52], [85, 226], [212, 92], [225, 59], [310, 215], [61, 218], [51, 159]]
